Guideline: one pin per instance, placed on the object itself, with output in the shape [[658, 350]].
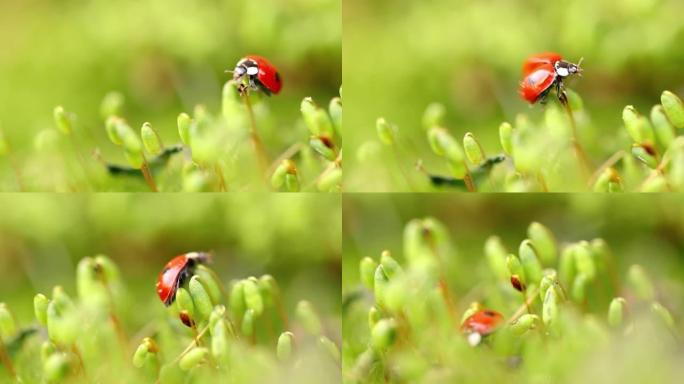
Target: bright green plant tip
[[530, 262], [640, 283], [674, 108], [309, 318], [616, 312], [434, 115], [544, 243], [472, 149], [284, 347], [367, 268], [150, 139], [193, 358], [253, 298], [386, 132], [384, 334], [63, 121], [506, 137]]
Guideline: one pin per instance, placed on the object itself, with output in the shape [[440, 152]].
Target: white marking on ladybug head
[[474, 339], [561, 70], [252, 71]]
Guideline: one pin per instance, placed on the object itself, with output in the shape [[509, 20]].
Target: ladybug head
[[565, 68]]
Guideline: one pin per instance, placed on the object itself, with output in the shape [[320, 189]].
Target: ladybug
[[480, 324], [260, 74], [175, 272], [543, 72]]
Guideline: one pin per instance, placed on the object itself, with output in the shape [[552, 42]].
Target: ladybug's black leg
[[562, 96]]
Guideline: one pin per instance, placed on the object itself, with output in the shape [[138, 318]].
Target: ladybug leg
[[560, 91]]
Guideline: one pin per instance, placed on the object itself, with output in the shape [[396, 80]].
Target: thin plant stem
[[524, 307], [195, 341], [259, 151], [468, 179], [6, 361], [77, 352], [222, 180], [289, 152], [581, 155], [145, 169], [612, 160]]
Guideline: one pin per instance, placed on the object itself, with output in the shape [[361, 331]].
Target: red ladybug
[[481, 323], [175, 272], [260, 74], [544, 71]]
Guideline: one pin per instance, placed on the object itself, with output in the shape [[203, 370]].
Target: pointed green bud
[[390, 266], [324, 146], [473, 149], [530, 262], [373, 317], [443, 144], [550, 308], [210, 282], [185, 127], [56, 367], [395, 293], [380, 282], [219, 340], [386, 132], [664, 130], [217, 315], [579, 287], [330, 347], [646, 154], [40, 304], [200, 298], [566, 267], [616, 312], [663, 314], [544, 243], [331, 181], [384, 334], [184, 302], [674, 108], [523, 324], [63, 325], [193, 358], [308, 318], [112, 105], [608, 181], [112, 128], [515, 268], [495, 252], [145, 352], [316, 119], [62, 299], [506, 137], [248, 322], [284, 347], [63, 121], [640, 283], [335, 110], [638, 127], [253, 298], [150, 139], [367, 268], [236, 300], [434, 115], [8, 326], [584, 260], [286, 167]]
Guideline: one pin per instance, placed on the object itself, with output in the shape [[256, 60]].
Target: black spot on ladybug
[[489, 313], [277, 77]]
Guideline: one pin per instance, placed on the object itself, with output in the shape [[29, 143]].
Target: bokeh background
[[163, 56], [401, 55], [294, 238]]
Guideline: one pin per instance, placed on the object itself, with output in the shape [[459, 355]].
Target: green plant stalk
[[582, 158], [287, 154], [259, 150], [145, 169], [6, 361], [222, 181], [193, 344]]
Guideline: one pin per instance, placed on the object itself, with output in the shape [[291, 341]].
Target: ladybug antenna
[[228, 71], [579, 66]]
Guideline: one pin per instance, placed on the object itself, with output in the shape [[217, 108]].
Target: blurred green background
[[165, 56], [401, 55], [295, 238], [638, 228]]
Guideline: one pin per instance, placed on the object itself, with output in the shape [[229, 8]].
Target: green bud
[[373, 317], [62, 120], [530, 262], [63, 325], [640, 283], [285, 167], [253, 298], [637, 126], [663, 314], [200, 298], [584, 260], [216, 315], [380, 282], [443, 144], [523, 324], [248, 322], [185, 127], [284, 347], [579, 287], [335, 110], [550, 308], [515, 268], [40, 304], [145, 352], [566, 267], [646, 154], [236, 299], [664, 130], [367, 268], [184, 302], [309, 111], [112, 104], [330, 347], [8, 327], [395, 294], [331, 181], [150, 139], [547, 282], [434, 115], [506, 137], [324, 146], [193, 358], [544, 243], [616, 312], [495, 252], [674, 108], [608, 181], [112, 128], [219, 340], [62, 299], [292, 180], [56, 367], [473, 149], [389, 265], [384, 334], [210, 283], [308, 318], [386, 132]]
